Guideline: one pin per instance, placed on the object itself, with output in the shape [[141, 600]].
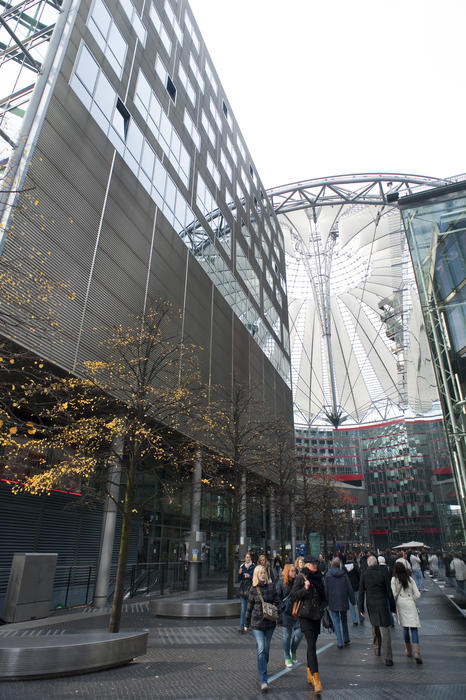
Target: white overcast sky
[[324, 87]]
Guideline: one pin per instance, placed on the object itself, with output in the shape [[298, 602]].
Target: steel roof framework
[[357, 361]]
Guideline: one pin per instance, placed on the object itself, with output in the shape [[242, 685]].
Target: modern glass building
[[124, 169], [435, 224], [364, 383]]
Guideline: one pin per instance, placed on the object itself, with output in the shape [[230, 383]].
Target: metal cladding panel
[[256, 366], [222, 341], [168, 267], [197, 317], [241, 339]]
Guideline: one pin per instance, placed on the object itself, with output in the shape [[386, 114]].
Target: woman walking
[[263, 561], [299, 564], [352, 570], [309, 589], [291, 629], [262, 589], [405, 593], [245, 573]]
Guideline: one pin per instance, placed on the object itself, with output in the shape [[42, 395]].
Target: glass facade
[[435, 224], [403, 466]]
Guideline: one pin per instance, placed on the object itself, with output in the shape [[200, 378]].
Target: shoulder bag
[[296, 609], [269, 610]]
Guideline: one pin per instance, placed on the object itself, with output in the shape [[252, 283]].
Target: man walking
[[375, 590]]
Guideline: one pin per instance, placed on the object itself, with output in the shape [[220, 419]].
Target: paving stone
[[207, 660]]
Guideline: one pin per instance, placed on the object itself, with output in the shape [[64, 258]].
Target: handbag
[[269, 610], [295, 610], [244, 587], [327, 622]]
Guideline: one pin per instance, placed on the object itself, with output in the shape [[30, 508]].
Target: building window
[[192, 32], [134, 20], [107, 35], [186, 83], [160, 29], [171, 89], [213, 170], [209, 129], [173, 22], [196, 72], [191, 129], [210, 75]]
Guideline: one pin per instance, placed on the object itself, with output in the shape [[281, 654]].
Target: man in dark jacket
[[375, 589], [337, 591]]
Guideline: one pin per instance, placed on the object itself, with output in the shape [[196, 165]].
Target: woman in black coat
[[375, 590], [309, 589]]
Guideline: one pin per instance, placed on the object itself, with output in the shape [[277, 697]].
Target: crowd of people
[[384, 586]]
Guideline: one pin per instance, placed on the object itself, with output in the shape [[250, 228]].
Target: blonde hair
[[301, 558], [258, 570]]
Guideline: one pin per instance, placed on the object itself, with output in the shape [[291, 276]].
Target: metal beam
[[32, 61]]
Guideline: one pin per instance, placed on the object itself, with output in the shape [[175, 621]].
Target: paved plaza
[[209, 659]]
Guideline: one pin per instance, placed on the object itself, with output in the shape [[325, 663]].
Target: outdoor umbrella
[[409, 545]]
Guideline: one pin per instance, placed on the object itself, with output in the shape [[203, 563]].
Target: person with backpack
[[245, 573], [309, 592], [291, 629]]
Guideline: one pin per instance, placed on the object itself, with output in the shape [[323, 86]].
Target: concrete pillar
[[195, 521], [108, 528], [293, 527], [273, 524], [243, 540]]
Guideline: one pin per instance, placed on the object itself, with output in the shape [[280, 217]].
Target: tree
[[240, 441], [282, 456], [137, 406], [325, 506]]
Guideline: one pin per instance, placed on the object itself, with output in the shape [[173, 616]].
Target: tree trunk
[[283, 521], [232, 547], [117, 604]]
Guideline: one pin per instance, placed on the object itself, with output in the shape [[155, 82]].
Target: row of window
[[111, 42], [96, 92]]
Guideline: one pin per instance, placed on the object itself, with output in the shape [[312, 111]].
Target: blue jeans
[[263, 639], [337, 616], [355, 608], [244, 607], [291, 635], [460, 586], [414, 635], [419, 579]]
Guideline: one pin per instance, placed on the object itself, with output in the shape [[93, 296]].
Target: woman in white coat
[[406, 593]]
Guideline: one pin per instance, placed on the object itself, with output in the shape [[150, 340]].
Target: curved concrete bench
[[58, 655], [198, 607]]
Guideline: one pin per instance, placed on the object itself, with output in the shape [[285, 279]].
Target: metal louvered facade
[[132, 182]]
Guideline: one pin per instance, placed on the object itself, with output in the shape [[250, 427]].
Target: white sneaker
[[264, 688]]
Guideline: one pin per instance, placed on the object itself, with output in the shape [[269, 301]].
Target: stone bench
[[195, 608], [49, 656]]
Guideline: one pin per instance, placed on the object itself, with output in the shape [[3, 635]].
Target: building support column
[[273, 524], [195, 523], [243, 540], [109, 519], [293, 527]]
